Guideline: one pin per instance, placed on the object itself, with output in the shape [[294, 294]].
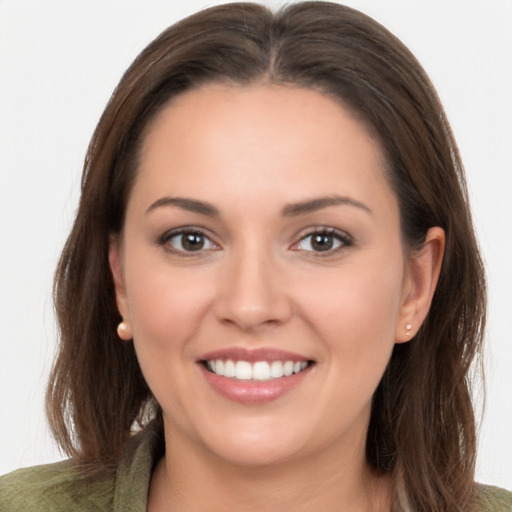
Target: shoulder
[[492, 499], [57, 487], [63, 487]]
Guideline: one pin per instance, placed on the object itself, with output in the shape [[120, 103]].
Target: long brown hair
[[422, 428]]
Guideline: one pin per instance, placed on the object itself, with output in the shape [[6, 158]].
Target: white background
[[59, 62]]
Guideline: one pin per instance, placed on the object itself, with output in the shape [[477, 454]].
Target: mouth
[[256, 375], [258, 371]]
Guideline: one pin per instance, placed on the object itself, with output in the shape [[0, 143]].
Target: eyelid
[[345, 239], [343, 236], [163, 240]]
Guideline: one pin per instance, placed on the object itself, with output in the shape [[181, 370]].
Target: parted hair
[[422, 427]]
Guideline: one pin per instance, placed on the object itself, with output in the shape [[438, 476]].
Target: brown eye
[[324, 241], [192, 241], [188, 241]]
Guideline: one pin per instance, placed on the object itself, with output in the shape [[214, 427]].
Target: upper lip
[[253, 355]]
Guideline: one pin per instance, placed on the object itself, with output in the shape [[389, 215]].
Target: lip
[[253, 355], [252, 392]]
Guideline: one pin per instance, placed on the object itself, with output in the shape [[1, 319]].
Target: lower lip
[[250, 391]]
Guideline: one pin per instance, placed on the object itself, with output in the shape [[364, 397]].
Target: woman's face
[[262, 238]]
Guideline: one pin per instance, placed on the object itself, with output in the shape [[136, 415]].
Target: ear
[[422, 274], [115, 262]]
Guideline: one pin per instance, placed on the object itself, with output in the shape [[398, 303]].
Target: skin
[[258, 282]]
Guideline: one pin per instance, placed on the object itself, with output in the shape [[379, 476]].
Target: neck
[[191, 479]]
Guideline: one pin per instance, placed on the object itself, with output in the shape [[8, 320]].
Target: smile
[[257, 371], [252, 376]]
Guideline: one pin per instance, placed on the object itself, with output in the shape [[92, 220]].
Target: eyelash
[[165, 239], [343, 238]]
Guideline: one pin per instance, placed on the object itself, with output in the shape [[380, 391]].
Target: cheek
[[355, 312], [166, 306], [355, 318]]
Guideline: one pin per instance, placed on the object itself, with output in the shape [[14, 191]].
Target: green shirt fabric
[[60, 487]]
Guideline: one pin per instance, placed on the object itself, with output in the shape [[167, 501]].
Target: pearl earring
[[124, 331], [408, 326]]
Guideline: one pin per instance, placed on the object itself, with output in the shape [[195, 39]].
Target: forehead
[[296, 142]]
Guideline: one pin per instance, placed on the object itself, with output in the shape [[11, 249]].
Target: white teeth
[[229, 369], [259, 371], [243, 370], [276, 369]]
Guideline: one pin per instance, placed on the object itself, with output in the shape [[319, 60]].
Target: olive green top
[[60, 487]]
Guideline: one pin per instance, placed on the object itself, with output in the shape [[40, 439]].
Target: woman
[[273, 275]]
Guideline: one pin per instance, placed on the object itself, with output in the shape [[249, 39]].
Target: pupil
[[322, 242], [192, 242]]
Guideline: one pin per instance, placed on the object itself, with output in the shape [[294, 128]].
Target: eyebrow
[[191, 205], [313, 205], [290, 210]]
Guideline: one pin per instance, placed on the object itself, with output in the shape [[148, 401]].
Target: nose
[[252, 293]]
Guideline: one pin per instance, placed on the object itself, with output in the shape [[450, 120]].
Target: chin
[[257, 444], [255, 456]]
